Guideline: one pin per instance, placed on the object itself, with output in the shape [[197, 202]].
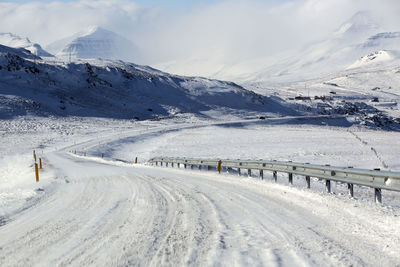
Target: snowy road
[[102, 214]]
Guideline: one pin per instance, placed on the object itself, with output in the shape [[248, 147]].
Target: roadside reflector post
[[136, 162], [166, 164], [40, 163], [350, 187], [328, 186], [378, 195], [36, 172], [179, 165], [262, 174], [172, 164], [34, 155], [291, 178], [219, 166], [308, 181], [239, 172], [275, 174], [102, 155], [249, 172]]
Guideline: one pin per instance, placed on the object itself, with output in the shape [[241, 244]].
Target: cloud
[[47, 22], [225, 31]]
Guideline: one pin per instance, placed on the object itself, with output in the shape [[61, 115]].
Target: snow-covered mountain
[[95, 42], [119, 90], [357, 37], [12, 40]]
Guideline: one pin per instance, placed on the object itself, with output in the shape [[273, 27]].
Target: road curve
[[99, 214]]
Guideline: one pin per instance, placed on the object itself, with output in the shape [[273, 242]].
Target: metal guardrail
[[371, 178]]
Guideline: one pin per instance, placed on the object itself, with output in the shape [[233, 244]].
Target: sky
[[168, 30]]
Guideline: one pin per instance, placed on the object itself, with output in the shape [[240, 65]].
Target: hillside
[[100, 88]]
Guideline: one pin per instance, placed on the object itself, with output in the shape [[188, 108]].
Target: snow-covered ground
[[93, 211], [334, 103]]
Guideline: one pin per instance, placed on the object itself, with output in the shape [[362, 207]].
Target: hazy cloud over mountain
[[232, 30]]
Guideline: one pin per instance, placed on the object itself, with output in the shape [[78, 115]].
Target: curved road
[[100, 214]]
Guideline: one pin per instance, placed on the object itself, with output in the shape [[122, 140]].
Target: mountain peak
[[15, 41], [97, 42], [95, 30], [362, 22]]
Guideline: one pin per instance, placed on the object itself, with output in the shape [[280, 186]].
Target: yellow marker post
[[219, 166], [102, 155], [36, 172], [40, 163], [34, 155]]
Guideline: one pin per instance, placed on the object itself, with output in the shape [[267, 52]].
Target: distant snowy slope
[[375, 58], [118, 90], [359, 36], [351, 41], [12, 40], [96, 42]]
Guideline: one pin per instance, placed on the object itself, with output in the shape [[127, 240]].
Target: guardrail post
[[291, 178], [172, 164], [239, 171], [378, 195], [308, 181], [36, 172], [136, 160], [275, 174], [328, 186], [166, 164], [262, 174], [350, 187], [249, 172], [179, 165]]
